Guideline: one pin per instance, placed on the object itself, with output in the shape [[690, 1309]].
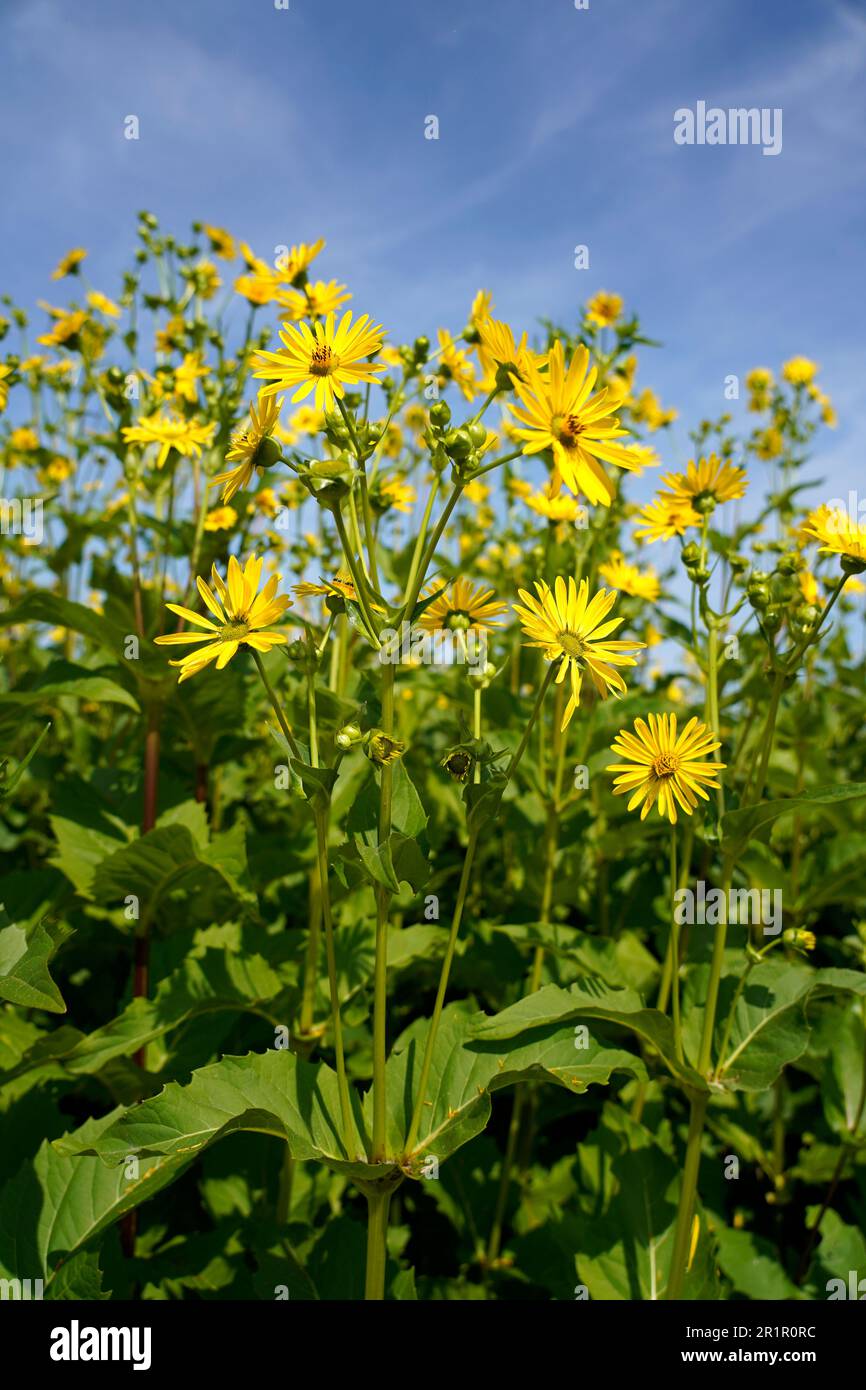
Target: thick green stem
[[680, 1253], [378, 1204], [675, 952], [336, 1021], [383, 902], [277, 707]]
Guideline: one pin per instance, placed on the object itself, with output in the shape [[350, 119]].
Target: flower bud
[[267, 453], [381, 748], [458, 763], [440, 415], [758, 594], [799, 938], [477, 433], [691, 555], [772, 618], [348, 736], [458, 443], [421, 348]]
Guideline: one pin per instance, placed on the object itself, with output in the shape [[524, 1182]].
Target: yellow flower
[[313, 301], [706, 482], [66, 329], [643, 456], [560, 507], [242, 615], [4, 385], [839, 535], [828, 414], [391, 441], [69, 263], [652, 636], [206, 279], [481, 307], [220, 519], [307, 420], [799, 371], [666, 517], [258, 289], [393, 493], [760, 382], [464, 607], [769, 444], [809, 588], [298, 259], [341, 586], [622, 575], [559, 413], [497, 347], [251, 449], [187, 375], [170, 432], [571, 629], [221, 242], [476, 492], [324, 359], [171, 335], [23, 441], [518, 487], [647, 410], [664, 767], [604, 309], [59, 469], [103, 304], [454, 365]]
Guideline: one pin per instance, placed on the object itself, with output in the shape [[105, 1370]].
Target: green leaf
[[736, 827], [752, 1265], [63, 678], [269, 1093], [465, 1070], [591, 999], [24, 960]]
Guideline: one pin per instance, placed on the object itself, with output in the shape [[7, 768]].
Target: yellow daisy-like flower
[[799, 371], [560, 413], [59, 469], [206, 279], [23, 440], [103, 304], [769, 444], [307, 420], [298, 259], [315, 300], [242, 617], [464, 607], [220, 519], [809, 588], [222, 243], [760, 380], [251, 448], [187, 376], [257, 289], [839, 534], [341, 586], [622, 575], [666, 517], [454, 365], [4, 384], [648, 411], [481, 307], [663, 767], [604, 309], [392, 494], [324, 359], [65, 330], [497, 347], [575, 631], [706, 482], [170, 432], [68, 265], [561, 507]]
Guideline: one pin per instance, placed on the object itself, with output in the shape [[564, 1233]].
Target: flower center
[[570, 643], [567, 428], [234, 632], [323, 360], [665, 765]]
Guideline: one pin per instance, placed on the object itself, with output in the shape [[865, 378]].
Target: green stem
[[277, 707], [383, 902], [377, 1245], [679, 1255], [336, 1021], [675, 952], [456, 918]]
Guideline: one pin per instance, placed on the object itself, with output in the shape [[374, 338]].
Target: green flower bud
[[422, 349], [458, 443], [758, 594], [267, 453], [348, 736], [789, 563], [738, 563], [772, 619], [477, 433], [440, 415], [691, 555], [458, 763], [699, 575]]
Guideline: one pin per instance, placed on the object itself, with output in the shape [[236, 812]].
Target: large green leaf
[[63, 678], [736, 827], [466, 1068], [24, 958], [591, 999]]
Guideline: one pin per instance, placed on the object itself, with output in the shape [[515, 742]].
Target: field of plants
[[432, 806]]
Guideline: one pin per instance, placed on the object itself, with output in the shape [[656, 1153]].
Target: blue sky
[[556, 128]]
